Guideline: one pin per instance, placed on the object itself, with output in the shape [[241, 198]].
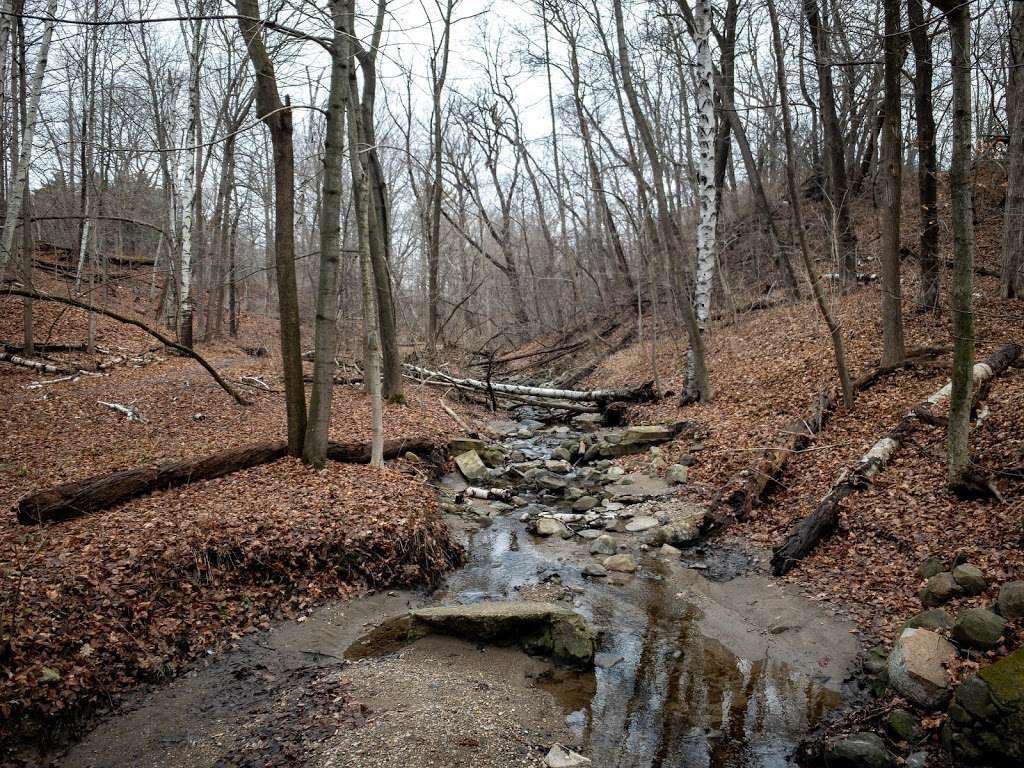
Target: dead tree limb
[[751, 486], [93, 494], [40, 296], [824, 520], [642, 393]]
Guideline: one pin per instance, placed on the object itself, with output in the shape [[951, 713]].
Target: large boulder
[[543, 628], [978, 628], [1011, 600], [858, 750], [939, 589], [916, 667], [986, 718], [471, 466]]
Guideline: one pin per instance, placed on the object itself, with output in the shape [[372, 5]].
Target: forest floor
[[139, 593]]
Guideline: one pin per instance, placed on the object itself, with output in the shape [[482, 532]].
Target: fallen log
[[751, 486], [45, 349], [824, 520], [35, 365], [129, 413], [40, 296], [93, 494], [643, 393]]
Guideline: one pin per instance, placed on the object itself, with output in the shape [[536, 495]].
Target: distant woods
[[447, 178]]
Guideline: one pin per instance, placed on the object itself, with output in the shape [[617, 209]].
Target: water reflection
[[677, 698]]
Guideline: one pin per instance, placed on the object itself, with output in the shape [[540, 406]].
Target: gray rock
[[931, 566], [917, 760], [546, 526], [978, 628], [970, 578], [620, 563], [589, 533], [640, 524], [615, 473], [604, 545], [917, 667], [858, 750], [934, 619], [560, 757], [585, 503], [594, 570], [1011, 600], [678, 474], [544, 628], [551, 482], [940, 588], [471, 466], [648, 434]]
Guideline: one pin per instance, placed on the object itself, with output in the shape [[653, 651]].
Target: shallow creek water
[[691, 670]]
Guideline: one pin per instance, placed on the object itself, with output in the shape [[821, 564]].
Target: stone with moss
[[986, 717]]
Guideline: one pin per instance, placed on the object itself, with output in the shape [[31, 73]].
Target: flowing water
[[691, 671]]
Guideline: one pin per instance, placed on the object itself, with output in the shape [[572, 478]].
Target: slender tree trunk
[[961, 308], [834, 329], [891, 192], [928, 291], [360, 187], [707, 225], [835, 153], [1011, 283], [699, 387], [278, 117], [20, 183], [325, 333]]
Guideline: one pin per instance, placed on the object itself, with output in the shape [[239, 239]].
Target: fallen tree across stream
[[93, 494], [643, 393], [824, 520]]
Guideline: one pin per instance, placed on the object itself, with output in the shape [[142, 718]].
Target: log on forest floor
[[93, 494], [35, 365], [824, 520]]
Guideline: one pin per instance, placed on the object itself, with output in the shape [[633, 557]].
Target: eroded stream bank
[[701, 659]]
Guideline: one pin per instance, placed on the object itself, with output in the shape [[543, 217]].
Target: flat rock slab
[[543, 628], [917, 667], [641, 524], [637, 485]]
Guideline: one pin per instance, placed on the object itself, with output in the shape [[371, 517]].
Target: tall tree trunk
[[707, 225], [278, 117], [380, 216], [699, 387], [358, 149], [325, 333], [835, 331], [1011, 282], [844, 239], [961, 308], [928, 256], [891, 192], [20, 183]]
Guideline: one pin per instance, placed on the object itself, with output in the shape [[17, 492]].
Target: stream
[[702, 660]]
